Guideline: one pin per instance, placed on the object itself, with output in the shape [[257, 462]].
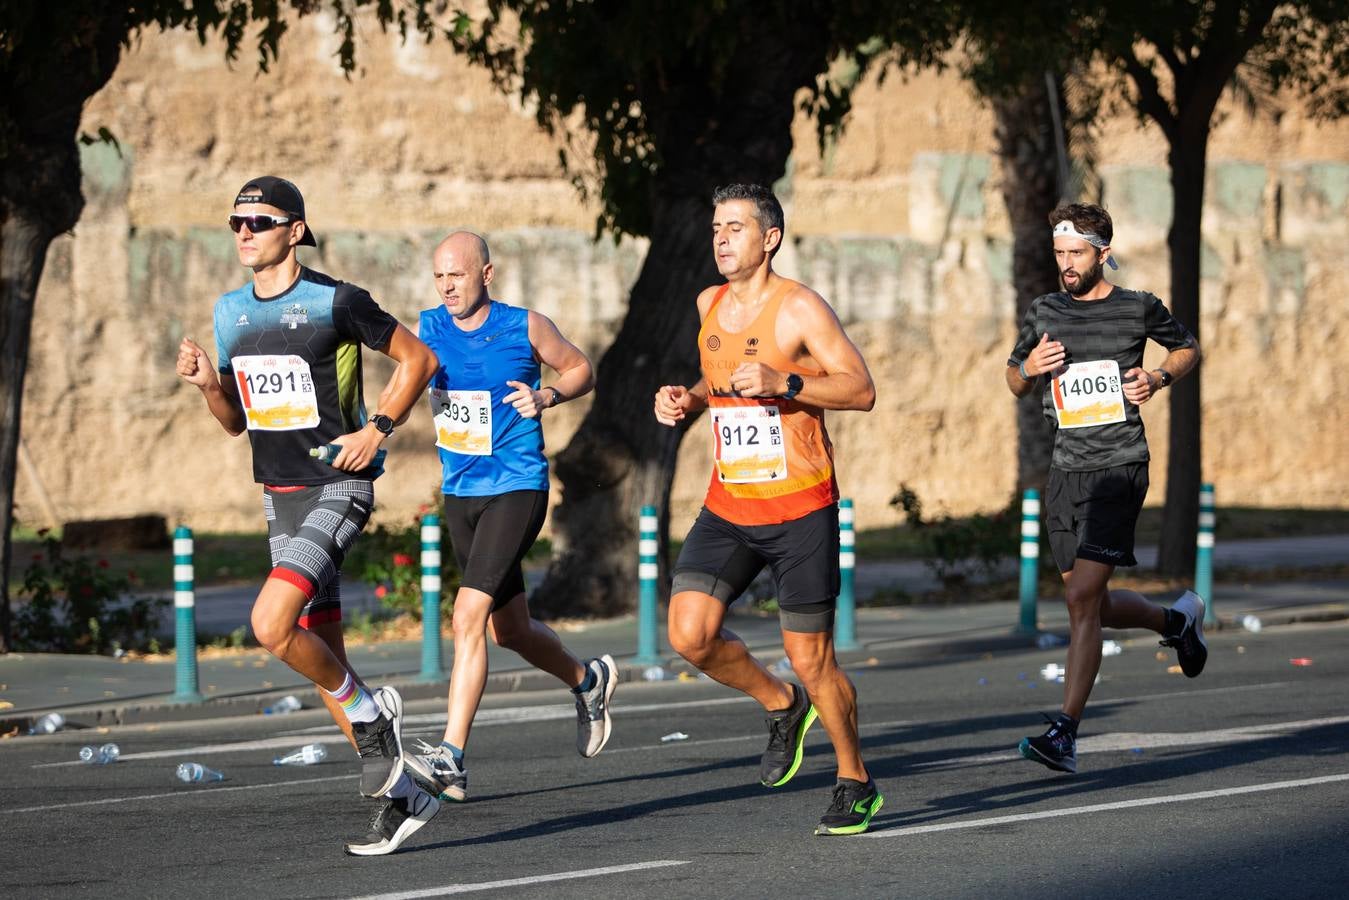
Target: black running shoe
[[851, 810], [379, 743], [1056, 748], [1191, 648], [786, 735], [395, 822]]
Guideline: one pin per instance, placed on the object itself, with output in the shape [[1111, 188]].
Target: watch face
[[383, 424], [795, 383]]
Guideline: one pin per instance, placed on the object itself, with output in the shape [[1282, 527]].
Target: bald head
[[462, 267]]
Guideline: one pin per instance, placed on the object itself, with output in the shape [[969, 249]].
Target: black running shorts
[[1092, 515], [309, 531], [491, 535], [721, 559]]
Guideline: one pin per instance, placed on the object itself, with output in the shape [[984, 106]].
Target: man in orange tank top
[[774, 357]]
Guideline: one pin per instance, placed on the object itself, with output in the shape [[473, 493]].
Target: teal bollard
[[185, 619], [1203, 557], [1030, 561], [431, 665], [648, 570], [845, 623]]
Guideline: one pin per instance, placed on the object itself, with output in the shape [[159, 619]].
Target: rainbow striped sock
[[356, 701]]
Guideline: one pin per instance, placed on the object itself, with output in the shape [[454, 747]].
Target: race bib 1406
[[1088, 394]]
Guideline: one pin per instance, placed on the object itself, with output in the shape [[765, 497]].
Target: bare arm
[[576, 376], [1141, 385], [675, 402], [416, 364], [222, 397], [845, 383]]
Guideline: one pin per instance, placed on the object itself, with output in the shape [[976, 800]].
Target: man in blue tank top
[[487, 405]]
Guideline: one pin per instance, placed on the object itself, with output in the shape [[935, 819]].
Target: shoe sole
[[396, 719], [809, 720], [609, 689], [428, 779], [405, 831], [860, 827], [1199, 633], [1058, 765]]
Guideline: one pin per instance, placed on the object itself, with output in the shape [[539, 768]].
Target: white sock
[[403, 788], [356, 701]]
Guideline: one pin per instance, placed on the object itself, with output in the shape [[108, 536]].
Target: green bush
[[390, 559], [954, 548], [75, 605]]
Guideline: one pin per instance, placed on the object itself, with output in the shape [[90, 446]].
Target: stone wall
[[899, 224]]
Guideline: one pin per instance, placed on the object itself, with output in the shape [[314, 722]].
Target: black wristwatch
[[555, 399], [383, 424], [1165, 377], [794, 385]]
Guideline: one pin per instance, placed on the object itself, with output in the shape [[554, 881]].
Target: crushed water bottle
[[100, 756], [48, 724], [654, 673], [1111, 648], [1047, 640], [308, 755], [1252, 624], [196, 773], [287, 704]]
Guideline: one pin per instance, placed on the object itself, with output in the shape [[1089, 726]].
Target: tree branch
[[1150, 99]]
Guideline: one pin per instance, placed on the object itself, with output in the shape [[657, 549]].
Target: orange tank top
[[772, 459]]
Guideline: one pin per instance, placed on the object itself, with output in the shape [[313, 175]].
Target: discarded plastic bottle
[[1251, 624], [654, 673], [1047, 640], [783, 666], [308, 755], [49, 724], [1111, 648], [674, 736], [287, 704], [195, 773], [100, 756]]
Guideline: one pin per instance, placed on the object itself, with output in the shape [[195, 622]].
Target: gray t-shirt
[[1114, 327]]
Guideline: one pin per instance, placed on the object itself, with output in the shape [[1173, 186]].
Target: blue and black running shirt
[[295, 360], [1096, 427]]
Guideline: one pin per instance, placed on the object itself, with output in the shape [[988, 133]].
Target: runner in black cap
[[288, 346]]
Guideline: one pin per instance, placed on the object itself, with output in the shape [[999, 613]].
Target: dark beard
[[1085, 281]]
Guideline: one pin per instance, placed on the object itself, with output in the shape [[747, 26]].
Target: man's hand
[[673, 403], [528, 402], [1139, 386], [1045, 357], [758, 380], [358, 449], [194, 365]]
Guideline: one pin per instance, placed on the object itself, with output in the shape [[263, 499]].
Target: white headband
[[1067, 229]]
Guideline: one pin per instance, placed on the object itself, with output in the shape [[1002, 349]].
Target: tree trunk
[[621, 457], [39, 200], [1028, 151], [1180, 517]]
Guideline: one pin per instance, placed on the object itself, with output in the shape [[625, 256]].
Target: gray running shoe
[[395, 822], [380, 744], [435, 768], [592, 708]]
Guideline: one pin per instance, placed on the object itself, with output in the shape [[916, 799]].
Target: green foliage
[[390, 558], [956, 549], [75, 605]]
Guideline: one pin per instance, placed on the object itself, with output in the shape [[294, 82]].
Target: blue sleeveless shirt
[[484, 360]]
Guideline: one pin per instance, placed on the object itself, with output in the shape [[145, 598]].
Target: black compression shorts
[[491, 535]]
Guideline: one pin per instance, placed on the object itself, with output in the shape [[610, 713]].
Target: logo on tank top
[[241, 321], [752, 346], [713, 342], [295, 315]]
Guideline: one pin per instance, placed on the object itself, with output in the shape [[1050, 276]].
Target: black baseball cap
[[280, 193]]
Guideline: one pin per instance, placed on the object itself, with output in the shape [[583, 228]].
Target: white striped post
[[845, 624], [185, 618], [1203, 557], [648, 570], [1030, 560], [431, 668]]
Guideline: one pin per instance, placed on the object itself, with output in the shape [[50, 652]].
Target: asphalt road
[[1232, 785]]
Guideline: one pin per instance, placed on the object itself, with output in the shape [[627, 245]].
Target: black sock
[[1175, 623], [1066, 723], [587, 684]]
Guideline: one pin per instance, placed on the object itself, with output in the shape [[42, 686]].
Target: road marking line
[[1105, 807], [1113, 742], [448, 889], [182, 793]]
